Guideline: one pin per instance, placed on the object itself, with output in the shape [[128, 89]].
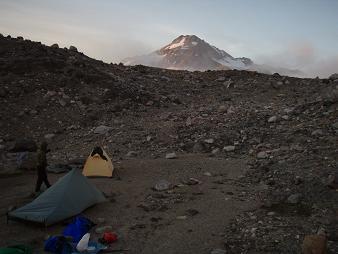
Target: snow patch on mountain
[[176, 45]]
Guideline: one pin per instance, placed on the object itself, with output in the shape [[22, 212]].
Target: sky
[[295, 34]]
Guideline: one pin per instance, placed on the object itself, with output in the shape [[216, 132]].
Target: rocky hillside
[[285, 129]]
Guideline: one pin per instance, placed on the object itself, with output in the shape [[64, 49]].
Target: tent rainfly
[[69, 196], [98, 163]]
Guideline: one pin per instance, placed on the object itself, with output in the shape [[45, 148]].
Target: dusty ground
[[217, 199]]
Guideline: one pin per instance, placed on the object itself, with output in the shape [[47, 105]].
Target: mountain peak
[[189, 52]]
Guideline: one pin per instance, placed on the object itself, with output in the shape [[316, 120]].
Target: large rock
[[199, 147], [102, 129], [171, 156], [333, 181], [132, 154], [314, 244], [294, 198], [73, 48], [229, 148], [49, 137], [162, 185], [262, 155], [272, 119], [335, 125], [24, 145]]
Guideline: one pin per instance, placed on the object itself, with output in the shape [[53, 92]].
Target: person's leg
[[38, 183], [45, 180]]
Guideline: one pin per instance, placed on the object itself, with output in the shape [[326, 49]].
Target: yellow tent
[[98, 164]]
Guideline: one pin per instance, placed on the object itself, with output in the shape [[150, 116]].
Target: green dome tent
[[69, 196]]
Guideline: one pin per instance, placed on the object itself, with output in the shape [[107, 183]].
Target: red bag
[[109, 237]]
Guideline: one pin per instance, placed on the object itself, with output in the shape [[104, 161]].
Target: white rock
[[49, 136], [222, 109], [162, 185], [272, 119], [218, 251], [209, 141], [207, 174], [131, 154], [229, 148], [102, 129], [171, 156], [318, 132], [262, 155], [215, 151]]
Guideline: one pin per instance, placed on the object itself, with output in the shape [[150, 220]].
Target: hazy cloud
[[303, 56]]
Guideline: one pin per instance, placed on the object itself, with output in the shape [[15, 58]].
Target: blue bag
[[78, 228], [58, 245]]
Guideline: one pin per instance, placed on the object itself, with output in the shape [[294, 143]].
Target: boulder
[[272, 119], [335, 125], [48, 137], [333, 181], [72, 48], [171, 156], [131, 154], [229, 148], [318, 132], [222, 109], [102, 129], [209, 140], [199, 147], [294, 198], [262, 155], [162, 185], [314, 244]]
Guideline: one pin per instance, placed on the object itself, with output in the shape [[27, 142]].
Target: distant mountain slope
[[188, 52]]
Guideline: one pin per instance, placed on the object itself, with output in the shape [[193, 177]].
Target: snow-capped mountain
[[188, 52]]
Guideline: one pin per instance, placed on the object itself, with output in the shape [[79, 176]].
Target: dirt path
[[190, 218]]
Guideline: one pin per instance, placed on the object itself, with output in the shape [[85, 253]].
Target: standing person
[[41, 166]]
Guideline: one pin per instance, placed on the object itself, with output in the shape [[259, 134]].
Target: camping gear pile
[[70, 195], [76, 239]]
